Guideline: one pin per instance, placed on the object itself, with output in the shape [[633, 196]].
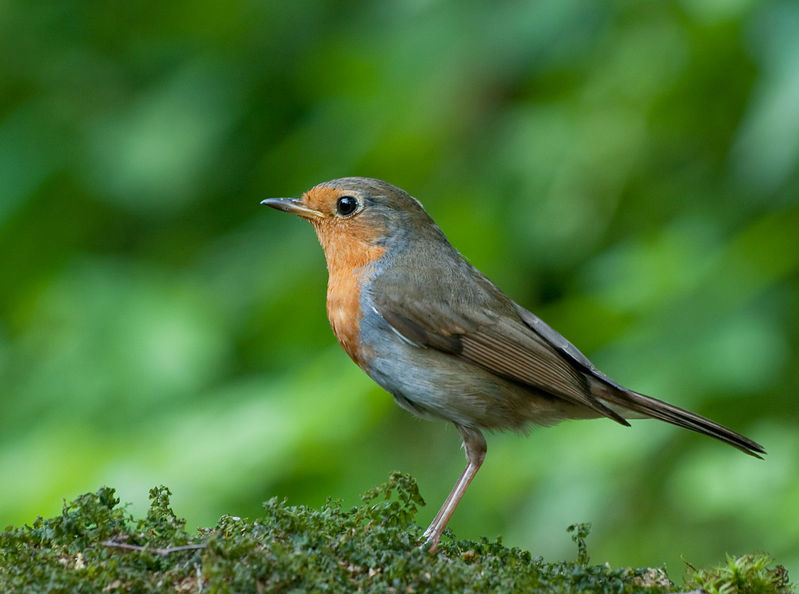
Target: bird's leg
[[475, 445], [445, 505]]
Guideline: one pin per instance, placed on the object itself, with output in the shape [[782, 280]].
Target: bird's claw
[[429, 545]]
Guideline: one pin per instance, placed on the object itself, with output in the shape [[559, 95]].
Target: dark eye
[[346, 205]]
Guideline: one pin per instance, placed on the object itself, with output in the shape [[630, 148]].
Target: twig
[[164, 552]]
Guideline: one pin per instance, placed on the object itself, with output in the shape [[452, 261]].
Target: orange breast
[[344, 312], [347, 265]]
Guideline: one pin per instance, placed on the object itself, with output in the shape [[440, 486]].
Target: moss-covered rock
[[95, 545]]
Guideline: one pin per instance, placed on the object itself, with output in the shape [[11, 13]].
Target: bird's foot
[[430, 539], [430, 544]]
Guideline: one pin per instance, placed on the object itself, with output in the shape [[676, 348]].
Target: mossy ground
[[96, 546]]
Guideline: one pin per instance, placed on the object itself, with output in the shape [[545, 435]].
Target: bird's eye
[[346, 205]]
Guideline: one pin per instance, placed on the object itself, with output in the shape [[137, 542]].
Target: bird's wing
[[645, 406], [481, 325], [563, 346]]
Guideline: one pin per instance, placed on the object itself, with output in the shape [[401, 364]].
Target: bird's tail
[[648, 407]]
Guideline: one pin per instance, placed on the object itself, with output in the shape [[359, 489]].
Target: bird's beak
[[293, 206]]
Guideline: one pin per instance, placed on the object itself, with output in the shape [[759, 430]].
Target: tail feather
[[657, 409]]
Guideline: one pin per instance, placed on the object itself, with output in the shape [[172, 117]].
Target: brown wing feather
[[614, 393], [501, 343]]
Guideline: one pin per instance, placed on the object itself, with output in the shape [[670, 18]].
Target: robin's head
[[354, 213]]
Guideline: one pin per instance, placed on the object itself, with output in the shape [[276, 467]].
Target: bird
[[445, 341]]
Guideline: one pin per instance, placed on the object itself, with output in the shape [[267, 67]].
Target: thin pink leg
[[475, 445]]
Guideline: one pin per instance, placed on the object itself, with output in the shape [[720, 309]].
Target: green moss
[[746, 574], [95, 545], [580, 533]]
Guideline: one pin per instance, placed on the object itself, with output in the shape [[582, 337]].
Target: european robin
[[444, 340]]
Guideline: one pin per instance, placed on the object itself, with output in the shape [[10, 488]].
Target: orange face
[[350, 242], [344, 234], [347, 234]]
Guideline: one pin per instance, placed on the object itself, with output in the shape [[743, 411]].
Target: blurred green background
[[627, 170]]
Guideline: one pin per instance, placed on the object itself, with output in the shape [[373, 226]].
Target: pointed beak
[[293, 206]]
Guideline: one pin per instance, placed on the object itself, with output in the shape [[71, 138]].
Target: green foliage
[[95, 545], [77, 551], [744, 574], [579, 533]]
